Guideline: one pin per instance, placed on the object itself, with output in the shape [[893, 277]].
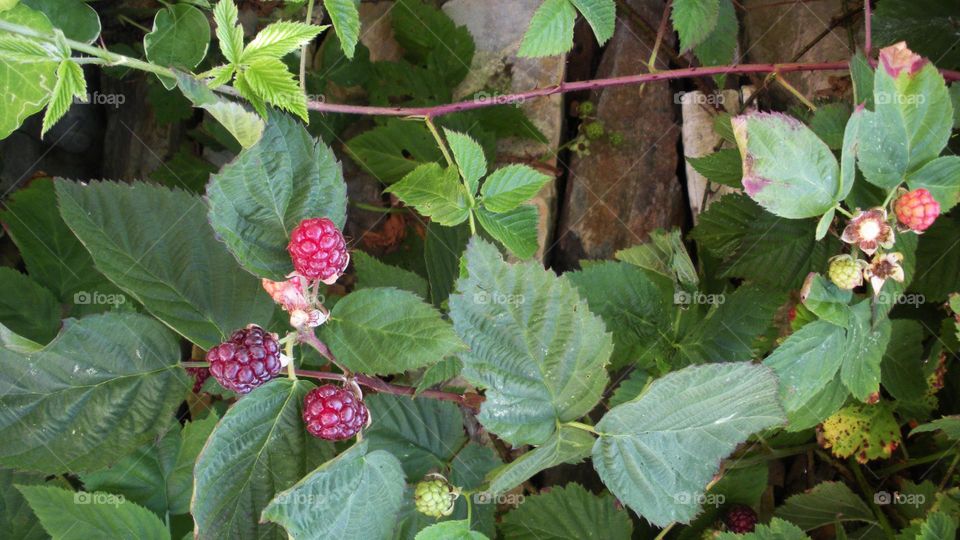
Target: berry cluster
[[248, 359], [435, 497], [318, 250], [740, 519], [333, 413]]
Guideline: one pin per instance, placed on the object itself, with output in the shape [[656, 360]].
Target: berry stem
[[195, 364]]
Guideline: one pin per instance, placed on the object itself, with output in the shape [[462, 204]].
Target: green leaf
[[664, 254], [938, 257], [823, 505], [630, 389], [941, 177], [158, 475], [718, 48], [938, 526], [469, 156], [142, 237], [829, 122], [900, 369], [432, 40], [184, 170], [729, 330], [180, 37], [392, 151], [278, 39], [567, 513], [70, 515], [694, 20], [70, 84], [510, 186], [21, 49], [424, 434], [27, 308], [436, 192], [229, 31], [853, 135], [75, 18], [786, 167], [601, 15], [272, 82], [257, 199], [346, 21], [861, 74], [443, 370], [244, 125], [827, 301], [105, 386], [924, 24], [551, 30], [441, 254], [806, 362], [516, 229], [632, 307], [372, 273], [367, 488], [258, 449], [566, 445], [385, 331], [722, 167], [778, 529], [26, 87], [725, 223], [950, 425], [17, 520], [534, 345], [910, 126], [450, 530], [866, 343], [658, 452]]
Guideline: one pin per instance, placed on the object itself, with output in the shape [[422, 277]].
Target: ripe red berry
[[250, 358], [200, 376], [318, 250], [916, 210], [333, 413], [741, 519]]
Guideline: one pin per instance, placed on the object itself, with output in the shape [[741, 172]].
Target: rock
[[497, 27], [617, 195], [777, 34]]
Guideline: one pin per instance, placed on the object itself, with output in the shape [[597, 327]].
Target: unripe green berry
[[586, 108], [435, 497], [594, 130], [616, 138], [846, 272]]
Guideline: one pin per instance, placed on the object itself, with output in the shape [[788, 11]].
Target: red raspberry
[[318, 250], [916, 210], [250, 358], [333, 413], [741, 519], [200, 376]]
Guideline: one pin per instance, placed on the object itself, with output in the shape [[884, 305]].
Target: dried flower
[[869, 230], [884, 266]]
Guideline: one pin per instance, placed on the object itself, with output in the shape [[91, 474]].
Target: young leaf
[[567, 512], [258, 449], [566, 445], [272, 82], [244, 125], [105, 386], [511, 186], [142, 237], [664, 254], [516, 229], [436, 192], [694, 20], [72, 515], [600, 14], [278, 39], [26, 87], [257, 199], [229, 31], [723, 167], [551, 30], [469, 157], [426, 433], [180, 37], [366, 485], [27, 308], [386, 331], [658, 452], [786, 167], [70, 83], [719, 46], [346, 21], [536, 373], [20, 49]]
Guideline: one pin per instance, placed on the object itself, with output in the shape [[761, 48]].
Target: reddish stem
[[449, 108], [867, 28]]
